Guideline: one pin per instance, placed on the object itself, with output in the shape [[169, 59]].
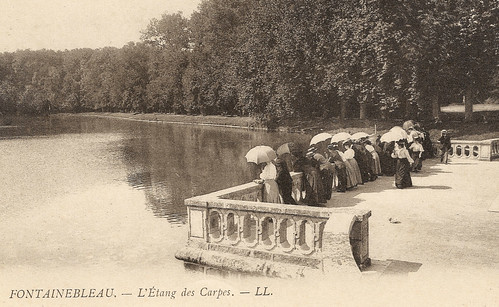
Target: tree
[[132, 78], [8, 90], [74, 62], [98, 82], [210, 76], [169, 39], [476, 48]]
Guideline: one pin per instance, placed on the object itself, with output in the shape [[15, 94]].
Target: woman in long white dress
[[271, 189]]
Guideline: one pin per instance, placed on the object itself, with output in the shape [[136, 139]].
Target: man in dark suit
[[446, 145]]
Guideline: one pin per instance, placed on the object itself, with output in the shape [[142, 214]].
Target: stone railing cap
[[272, 208], [488, 141]]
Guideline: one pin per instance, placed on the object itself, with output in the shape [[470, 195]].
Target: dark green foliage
[[276, 60]]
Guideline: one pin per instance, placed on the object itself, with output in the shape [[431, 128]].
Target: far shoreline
[[469, 131], [473, 131], [208, 120]]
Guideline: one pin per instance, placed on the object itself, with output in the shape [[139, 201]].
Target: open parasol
[[359, 135], [400, 132], [321, 137], [390, 136], [260, 154], [340, 137]]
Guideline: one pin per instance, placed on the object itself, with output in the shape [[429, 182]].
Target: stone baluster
[[476, 152], [306, 238], [495, 148], [250, 230], [232, 222], [287, 234], [215, 226], [267, 232]]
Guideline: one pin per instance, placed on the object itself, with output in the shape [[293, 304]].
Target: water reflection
[[167, 162], [174, 162]]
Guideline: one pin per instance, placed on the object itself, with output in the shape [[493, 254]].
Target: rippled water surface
[[79, 189]]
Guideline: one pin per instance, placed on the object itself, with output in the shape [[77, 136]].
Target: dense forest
[[275, 60]]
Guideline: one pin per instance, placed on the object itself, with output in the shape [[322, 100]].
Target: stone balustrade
[[234, 230], [486, 150]]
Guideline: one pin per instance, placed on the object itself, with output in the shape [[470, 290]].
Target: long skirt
[[403, 174], [351, 178], [387, 164], [341, 175], [286, 191], [327, 177], [271, 192], [376, 165], [356, 170], [314, 191], [364, 163]]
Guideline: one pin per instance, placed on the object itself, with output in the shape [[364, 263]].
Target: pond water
[[82, 190]]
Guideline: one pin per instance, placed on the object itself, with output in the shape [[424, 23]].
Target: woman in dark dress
[[403, 168], [312, 182], [326, 170], [284, 181], [341, 172], [387, 162], [364, 159]]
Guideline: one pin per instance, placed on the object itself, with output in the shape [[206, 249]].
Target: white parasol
[[321, 137], [400, 132], [359, 135], [260, 154], [390, 136], [340, 137]]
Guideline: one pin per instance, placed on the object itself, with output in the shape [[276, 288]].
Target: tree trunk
[[363, 110], [468, 106], [435, 107], [343, 109]]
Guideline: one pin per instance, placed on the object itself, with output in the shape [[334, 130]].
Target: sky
[[70, 24]]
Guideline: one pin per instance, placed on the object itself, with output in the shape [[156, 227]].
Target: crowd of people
[[341, 164]]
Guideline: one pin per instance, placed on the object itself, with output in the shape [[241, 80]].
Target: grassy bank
[[215, 120], [458, 130]]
